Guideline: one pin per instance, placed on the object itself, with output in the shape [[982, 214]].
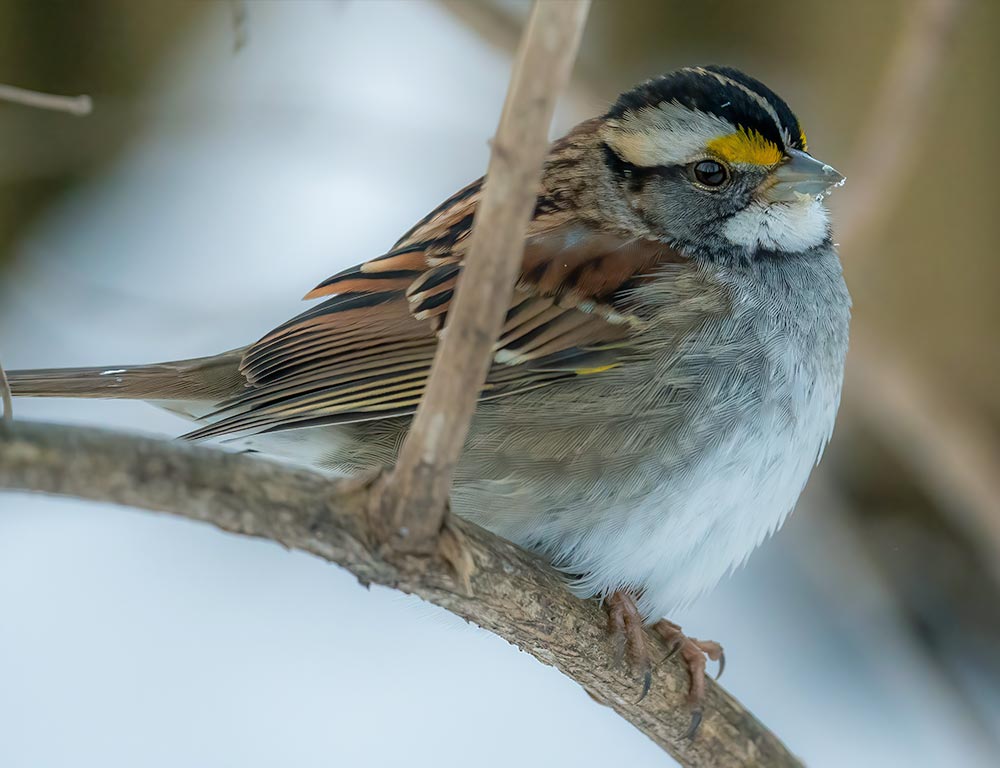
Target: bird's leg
[[625, 625], [694, 653]]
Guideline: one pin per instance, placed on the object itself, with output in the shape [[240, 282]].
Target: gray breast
[[723, 414]]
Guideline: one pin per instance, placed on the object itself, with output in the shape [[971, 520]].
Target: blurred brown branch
[[74, 105], [903, 98], [953, 456], [513, 594], [960, 468]]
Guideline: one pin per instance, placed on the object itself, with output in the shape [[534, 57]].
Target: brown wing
[[366, 352]]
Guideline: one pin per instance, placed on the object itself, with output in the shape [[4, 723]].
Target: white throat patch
[[788, 227]]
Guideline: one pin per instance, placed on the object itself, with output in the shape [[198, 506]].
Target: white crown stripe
[[761, 101]]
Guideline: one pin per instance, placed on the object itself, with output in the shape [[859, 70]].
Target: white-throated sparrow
[[668, 373]]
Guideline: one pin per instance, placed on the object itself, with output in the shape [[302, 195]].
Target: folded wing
[[365, 353]]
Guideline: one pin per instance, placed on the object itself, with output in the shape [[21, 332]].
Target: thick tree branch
[[412, 504], [511, 593]]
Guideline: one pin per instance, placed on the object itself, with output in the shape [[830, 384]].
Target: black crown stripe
[[702, 90], [786, 117]]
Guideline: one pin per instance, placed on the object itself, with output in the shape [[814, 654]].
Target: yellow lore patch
[[747, 147]]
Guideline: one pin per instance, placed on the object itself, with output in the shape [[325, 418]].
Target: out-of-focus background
[[238, 153]]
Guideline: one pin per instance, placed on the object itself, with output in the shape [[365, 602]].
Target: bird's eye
[[710, 173]]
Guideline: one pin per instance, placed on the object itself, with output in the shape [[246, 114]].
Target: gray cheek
[[678, 210]]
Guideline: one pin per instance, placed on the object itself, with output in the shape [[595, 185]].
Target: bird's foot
[[625, 625], [694, 652]]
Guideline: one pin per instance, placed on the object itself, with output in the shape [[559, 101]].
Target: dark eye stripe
[[635, 175]]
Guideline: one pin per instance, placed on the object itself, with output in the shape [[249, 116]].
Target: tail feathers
[[210, 379]]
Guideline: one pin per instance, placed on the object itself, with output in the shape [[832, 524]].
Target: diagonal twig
[[411, 510]]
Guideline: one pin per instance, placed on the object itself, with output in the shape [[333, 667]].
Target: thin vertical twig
[[5, 397], [412, 505]]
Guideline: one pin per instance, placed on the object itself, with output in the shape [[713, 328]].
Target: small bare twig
[[412, 507], [5, 397], [513, 594], [240, 17], [74, 105]]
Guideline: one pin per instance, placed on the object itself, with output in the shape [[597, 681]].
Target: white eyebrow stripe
[[667, 134]]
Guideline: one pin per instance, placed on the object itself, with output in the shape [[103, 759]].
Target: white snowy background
[[131, 639]]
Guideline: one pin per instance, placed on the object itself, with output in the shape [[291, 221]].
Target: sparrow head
[[715, 162]]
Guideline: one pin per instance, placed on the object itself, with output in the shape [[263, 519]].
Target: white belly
[[681, 539], [667, 504]]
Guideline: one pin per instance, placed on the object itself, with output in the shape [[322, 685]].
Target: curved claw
[[647, 683], [674, 647], [695, 653], [722, 665], [696, 718]]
